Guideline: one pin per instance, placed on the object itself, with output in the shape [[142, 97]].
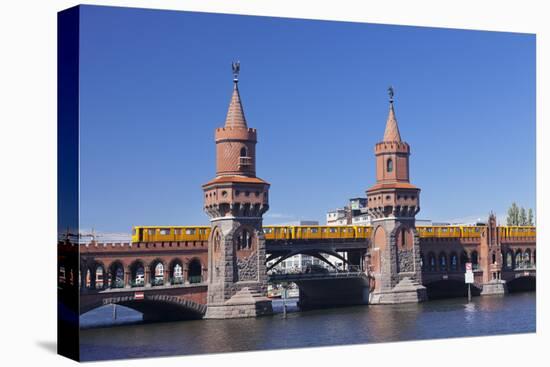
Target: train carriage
[[170, 233]]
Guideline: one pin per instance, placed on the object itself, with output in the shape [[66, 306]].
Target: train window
[[313, 230], [324, 230], [332, 230], [165, 231], [151, 231], [133, 231], [190, 231], [177, 231]]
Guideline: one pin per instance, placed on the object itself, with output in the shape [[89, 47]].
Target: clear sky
[[155, 85]]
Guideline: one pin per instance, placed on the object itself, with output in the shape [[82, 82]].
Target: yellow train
[[201, 233], [519, 231], [316, 232], [449, 231], [170, 233]]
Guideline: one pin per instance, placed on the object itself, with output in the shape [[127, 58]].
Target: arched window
[[454, 262], [244, 241], [518, 260], [244, 152], [389, 165], [99, 277], [88, 279], [474, 260], [442, 262], [195, 271], [494, 258], [422, 262], [509, 260], [176, 271], [463, 260], [431, 260], [158, 270], [527, 258], [138, 274]]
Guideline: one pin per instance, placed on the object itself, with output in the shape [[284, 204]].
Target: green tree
[[530, 218], [522, 217], [513, 215]]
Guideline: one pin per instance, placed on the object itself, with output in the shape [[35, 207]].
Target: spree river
[[496, 315]]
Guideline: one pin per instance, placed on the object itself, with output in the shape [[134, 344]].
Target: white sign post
[[469, 279]]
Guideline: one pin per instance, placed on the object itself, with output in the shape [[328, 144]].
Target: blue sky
[[155, 85]]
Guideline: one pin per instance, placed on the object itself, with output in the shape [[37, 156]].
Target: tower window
[[389, 165], [243, 152]]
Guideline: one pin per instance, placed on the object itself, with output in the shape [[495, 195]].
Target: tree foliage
[[519, 216]]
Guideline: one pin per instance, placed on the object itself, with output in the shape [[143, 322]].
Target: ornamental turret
[[235, 201], [394, 260], [393, 195]]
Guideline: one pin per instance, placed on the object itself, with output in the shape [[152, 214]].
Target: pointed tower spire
[[392, 130], [235, 114]]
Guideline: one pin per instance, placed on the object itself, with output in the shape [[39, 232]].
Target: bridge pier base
[[406, 291], [494, 287], [245, 303]]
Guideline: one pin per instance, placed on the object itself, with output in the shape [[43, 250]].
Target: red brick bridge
[[168, 280]]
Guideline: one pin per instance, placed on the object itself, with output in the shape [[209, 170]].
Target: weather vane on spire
[[236, 66], [390, 92]]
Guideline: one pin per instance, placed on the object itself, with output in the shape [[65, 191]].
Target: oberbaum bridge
[[223, 270]]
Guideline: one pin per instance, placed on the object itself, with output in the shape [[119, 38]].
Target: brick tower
[[490, 259], [392, 204], [235, 201]]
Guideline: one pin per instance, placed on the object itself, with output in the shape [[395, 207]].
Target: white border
[[28, 183]]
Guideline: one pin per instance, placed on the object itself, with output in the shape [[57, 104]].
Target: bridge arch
[[522, 284], [527, 257], [157, 269], [443, 261], [99, 275], [453, 261], [474, 259], [518, 259], [453, 286], [153, 307], [137, 273], [194, 270], [176, 271], [116, 274], [509, 259], [463, 260], [432, 262]]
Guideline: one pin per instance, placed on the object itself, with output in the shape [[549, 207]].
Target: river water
[[497, 315]]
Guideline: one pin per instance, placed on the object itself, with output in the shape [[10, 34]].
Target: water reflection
[[362, 324]]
